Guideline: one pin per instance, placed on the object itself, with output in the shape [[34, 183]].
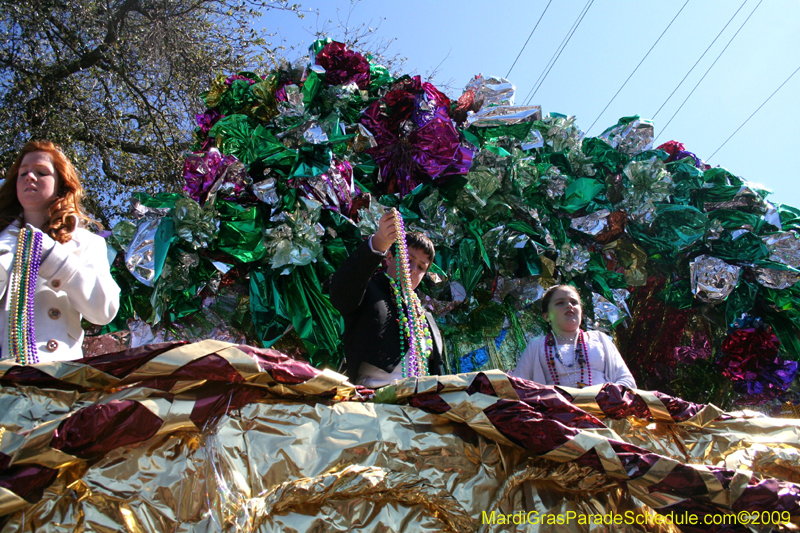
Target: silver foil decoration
[[562, 133], [606, 314], [140, 256], [369, 218], [314, 134], [784, 248], [293, 106], [772, 216], [533, 140], [265, 190], [712, 278], [525, 291], [491, 91], [504, 116], [364, 140], [631, 138], [774, 278], [592, 224], [572, 259]]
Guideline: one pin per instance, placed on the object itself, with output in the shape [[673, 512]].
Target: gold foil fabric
[[313, 456]]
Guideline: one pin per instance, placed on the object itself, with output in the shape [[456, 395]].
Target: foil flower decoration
[[195, 225], [369, 217], [298, 241], [562, 133], [555, 183], [784, 247], [343, 66], [206, 120], [650, 183], [750, 360], [592, 224], [677, 151], [417, 141], [442, 223], [572, 259], [777, 278], [631, 135], [606, 314], [712, 278], [211, 170], [491, 91], [266, 191], [140, 257], [494, 100], [700, 348], [334, 189]]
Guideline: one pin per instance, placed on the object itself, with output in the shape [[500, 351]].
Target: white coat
[[74, 282]]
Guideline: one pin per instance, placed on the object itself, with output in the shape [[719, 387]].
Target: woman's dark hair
[[61, 216], [548, 295], [420, 241]]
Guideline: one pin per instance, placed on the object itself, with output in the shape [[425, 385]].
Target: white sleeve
[[530, 363], [616, 370], [84, 275]]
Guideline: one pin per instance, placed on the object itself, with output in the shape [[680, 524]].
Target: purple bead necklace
[[22, 291], [413, 325]]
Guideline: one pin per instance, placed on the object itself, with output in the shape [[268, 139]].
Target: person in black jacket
[[373, 345]]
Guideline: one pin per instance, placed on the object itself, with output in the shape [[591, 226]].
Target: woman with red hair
[[53, 271]]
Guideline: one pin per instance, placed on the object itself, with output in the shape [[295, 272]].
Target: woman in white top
[[53, 271], [567, 355]]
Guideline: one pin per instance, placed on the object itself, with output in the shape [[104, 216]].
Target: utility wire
[[529, 38], [709, 68], [754, 112], [552, 58], [558, 52], [698, 60], [637, 67]]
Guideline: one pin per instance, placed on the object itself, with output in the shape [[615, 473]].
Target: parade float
[[214, 401]]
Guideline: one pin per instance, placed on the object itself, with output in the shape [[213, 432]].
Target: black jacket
[[371, 331]]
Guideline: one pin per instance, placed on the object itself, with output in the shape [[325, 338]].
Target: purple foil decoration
[[700, 348], [201, 171], [207, 120], [343, 66], [417, 141], [334, 189], [230, 79], [750, 360]]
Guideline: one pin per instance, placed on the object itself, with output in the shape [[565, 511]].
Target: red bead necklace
[[581, 357]]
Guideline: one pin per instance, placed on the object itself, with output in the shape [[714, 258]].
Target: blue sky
[[460, 39]]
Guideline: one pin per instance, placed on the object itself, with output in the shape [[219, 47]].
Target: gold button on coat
[[52, 345], [54, 313], [56, 283]]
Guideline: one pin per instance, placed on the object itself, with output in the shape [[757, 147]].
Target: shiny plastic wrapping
[[218, 437]]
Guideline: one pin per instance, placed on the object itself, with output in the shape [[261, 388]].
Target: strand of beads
[[412, 323], [581, 356], [21, 322]]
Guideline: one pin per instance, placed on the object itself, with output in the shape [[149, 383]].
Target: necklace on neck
[[581, 358]]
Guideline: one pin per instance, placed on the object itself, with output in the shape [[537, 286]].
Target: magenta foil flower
[[343, 66], [750, 360], [201, 171], [207, 120], [417, 141]]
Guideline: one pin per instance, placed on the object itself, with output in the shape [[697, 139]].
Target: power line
[[558, 52], [564, 40], [637, 67], [529, 38], [700, 58], [709, 68], [754, 112]]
